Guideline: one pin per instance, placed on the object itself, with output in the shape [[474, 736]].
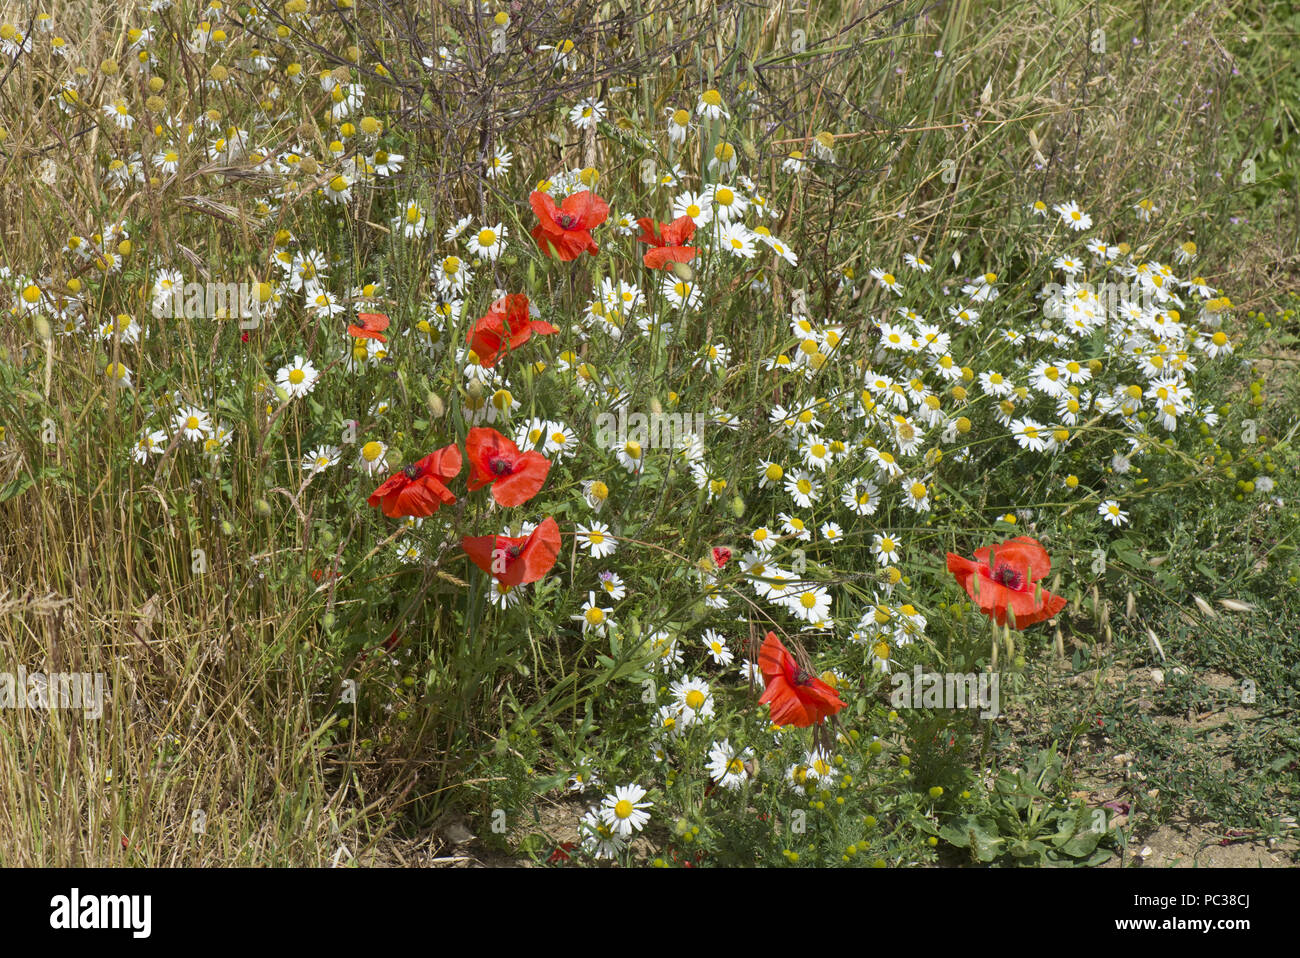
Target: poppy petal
[[662, 256], [543, 206], [524, 482], [540, 551]]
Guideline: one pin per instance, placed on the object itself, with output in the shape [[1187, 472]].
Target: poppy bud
[[227, 528], [263, 507], [435, 404], [328, 621], [738, 507], [683, 272]]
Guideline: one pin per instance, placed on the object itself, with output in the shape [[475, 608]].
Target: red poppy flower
[[669, 241], [495, 460], [516, 560], [419, 490], [721, 556], [1006, 577], [372, 327], [797, 697], [507, 325], [565, 231], [561, 853]]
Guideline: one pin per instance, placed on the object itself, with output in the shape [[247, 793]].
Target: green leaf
[[975, 831]]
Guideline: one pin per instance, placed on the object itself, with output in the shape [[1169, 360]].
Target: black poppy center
[[500, 467], [567, 220], [1007, 576], [413, 471]]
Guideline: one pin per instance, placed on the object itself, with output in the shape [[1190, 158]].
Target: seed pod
[[1155, 644]]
